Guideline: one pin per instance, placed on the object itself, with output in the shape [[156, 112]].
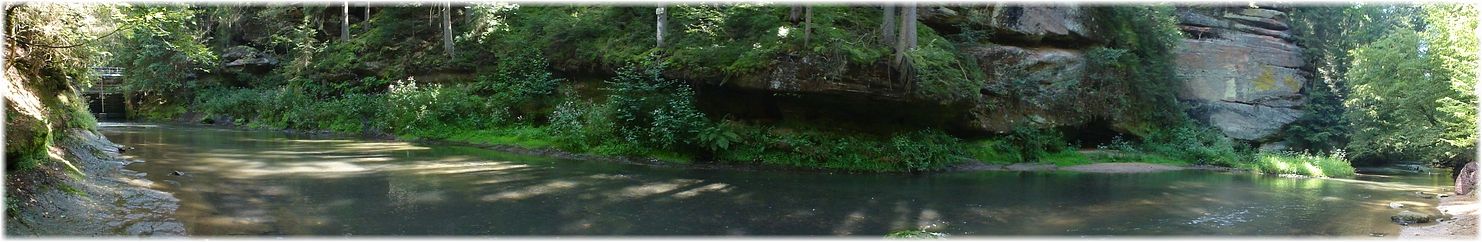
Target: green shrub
[[234, 102], [581, 126], [436, 111], [926, 150], [1316, 165], [1198, 144], [718, 137], [995, 151], [1035, 143], [521, 83], [651, 110]]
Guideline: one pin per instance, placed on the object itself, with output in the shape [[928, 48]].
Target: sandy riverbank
[[1463, 211]]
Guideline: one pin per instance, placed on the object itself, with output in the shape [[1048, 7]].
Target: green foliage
[[1328, 33], [941, 72], [233, 102], [1137, 62], [1330, 165], [161, 48], [1411, 92], [718, 137], [1063, 158], [1034, 143], [518, 135], [520, 82], [926, 150], [1192, 143], [813, 148], [651, 110], [995, 151], [433, 110]]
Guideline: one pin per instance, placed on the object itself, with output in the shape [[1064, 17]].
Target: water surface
[[272, 183]]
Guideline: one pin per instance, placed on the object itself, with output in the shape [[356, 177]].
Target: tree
[[907, 36], [807, 24], [345, 22], [662, 20], [1411, 92], [448, 28], [887, 25], [1327, 34]]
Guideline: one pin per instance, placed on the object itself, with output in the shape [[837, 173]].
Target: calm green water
[[270, 183]]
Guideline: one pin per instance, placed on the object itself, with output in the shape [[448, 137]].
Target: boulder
[[1466, 179], [1410, 217], [246, 56]]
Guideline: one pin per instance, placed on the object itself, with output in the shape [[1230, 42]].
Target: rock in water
[[1466, 179], [177, 173], [1396, 205], [1408, 218]]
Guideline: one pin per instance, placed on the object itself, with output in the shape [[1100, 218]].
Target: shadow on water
[[268, 183]]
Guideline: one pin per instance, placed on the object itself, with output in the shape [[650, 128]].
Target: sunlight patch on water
[[531, 191], [713, 187], [434, 169], [653, 188]]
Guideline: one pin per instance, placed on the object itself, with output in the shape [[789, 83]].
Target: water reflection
[[255, 183]]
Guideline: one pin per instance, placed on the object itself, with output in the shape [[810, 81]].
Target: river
[[237, 182]]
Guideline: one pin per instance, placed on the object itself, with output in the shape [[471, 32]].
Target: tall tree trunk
[[662, 21], [345, 22], [794, 14], [908, 34], [807, 24], [887, 25], [448, 28]]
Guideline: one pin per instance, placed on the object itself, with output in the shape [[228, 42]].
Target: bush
[[995, 151], [234, 102], [520, 82], [1035, 143], [1316, 165], [1202, 145], [926, 150], [653, 111], [581, 126], [436, 111]]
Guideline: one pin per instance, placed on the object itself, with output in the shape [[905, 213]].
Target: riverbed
[[237, 182]]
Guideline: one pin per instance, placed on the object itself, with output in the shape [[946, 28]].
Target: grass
[[992, 151], [1332, 165], [1067, 157], [525, 136], [1140, 157]]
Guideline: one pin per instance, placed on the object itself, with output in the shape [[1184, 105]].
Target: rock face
[[1029, 84], [1242, 72], [1037, 23]]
